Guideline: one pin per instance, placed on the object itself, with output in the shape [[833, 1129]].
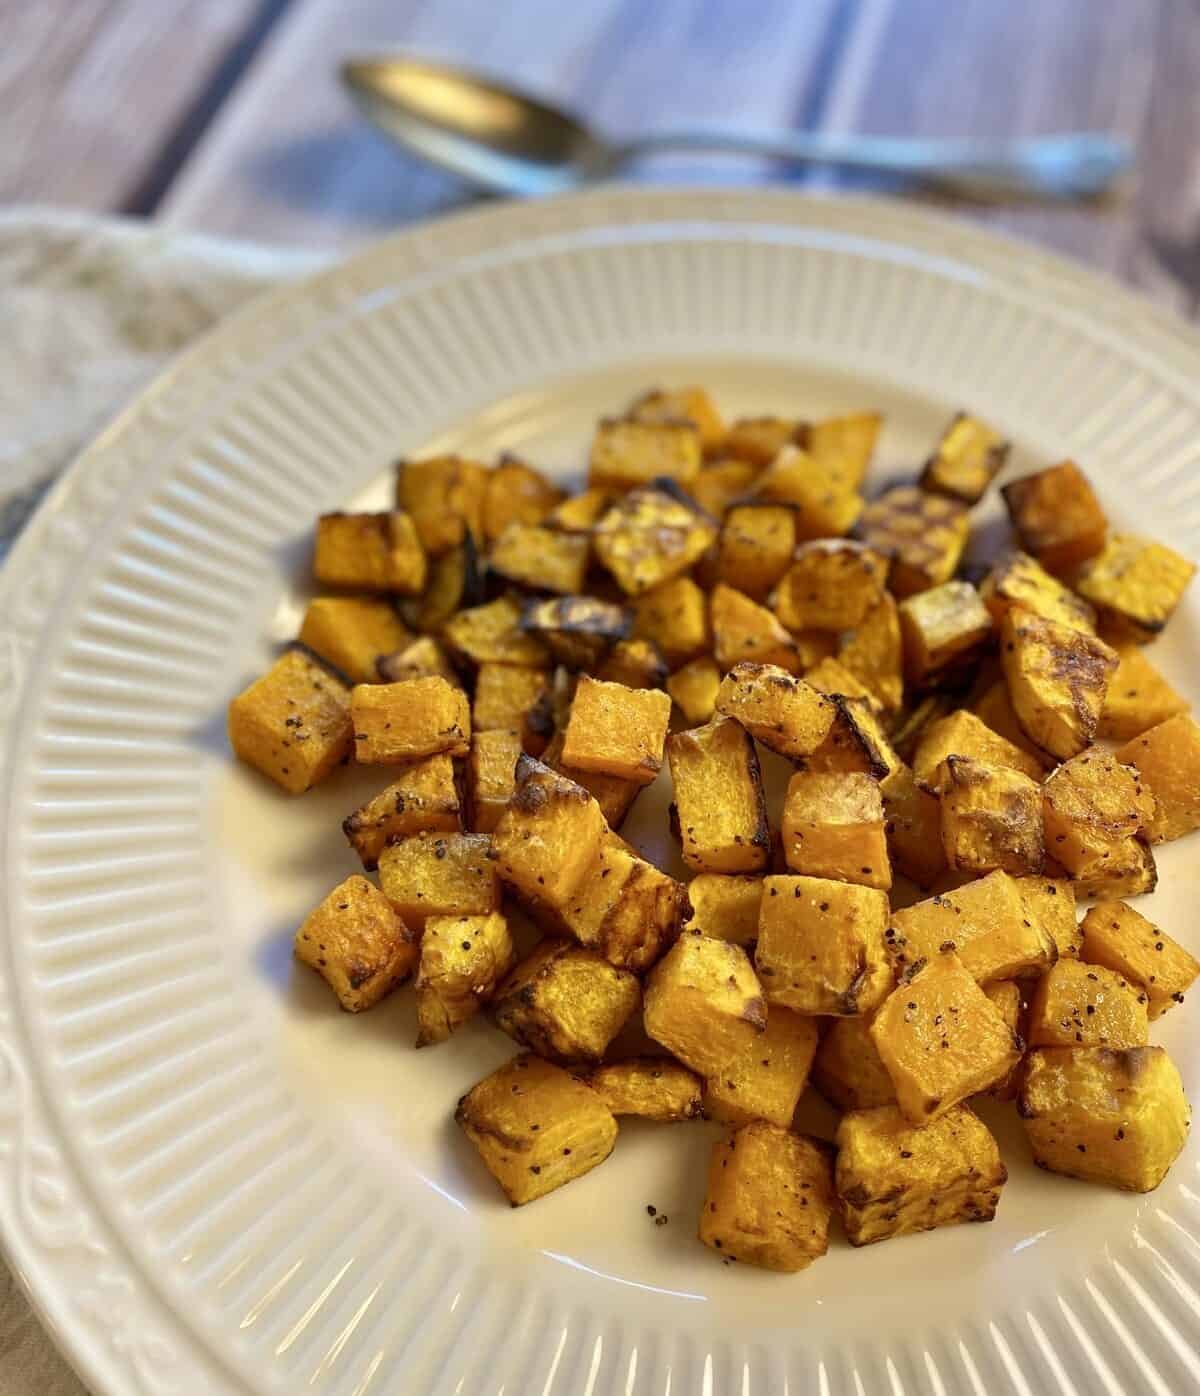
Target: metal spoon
[[512, 143]]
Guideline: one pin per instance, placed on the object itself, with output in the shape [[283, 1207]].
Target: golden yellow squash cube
[[830, 585], [1057, 516], [895, 1178], [634, 664], [424, 797], [991, 818], [653, 1088], [369, 552], [1124, 941], [995, 710], [432, 874], [766, 1081], [1093, 806], [628, 452], [755, 547], [1083, 1005], [1130, 872], [445, 496], [357, 943], [825, 501], [725, 908], [914, 828], [848, 1070], [421, 658], [758, 440], [1020, 580], [614, 796], [721, 483], [873, 652], [352, 632], [924, 535], [856, 742], [1138, 697], [400, 722], [293, 724], [782, 711], [744, 631], [1105, 1115], [833, 826], [536, 1127], [1135, 585], [505, 697], [967, 459], [704, 1004], [719, 806], [674, 618], [625, 909], [694, 689], [578, 512], [942, 1039], [691, 404], [617, 731], [963, 734], [770, 1198], [533, 555], [820, 946], [1005, 995], [843, 445], [578, 630], [492, 634], [516, 493], [649, 536], [1167, 758], [1050, 903], [463, 959], [830, 676], [943, 630], [491, 776]]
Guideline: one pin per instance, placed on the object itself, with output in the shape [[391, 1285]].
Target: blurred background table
[[226, 115]]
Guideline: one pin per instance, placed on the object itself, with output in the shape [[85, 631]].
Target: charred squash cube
[[1020, 580], [674, 618], [844, 445], [991, 818], [745, 631], [943, 629], [725, 908], [968, 458], [516, 493], [432, 874], [755, 547], [400, 722], [422, 658], [424, 798], [617, 731], [1050, 903], [357, 943], [445, 496], [370, 552], [351, 632], [463, 959], [578, 630], [758, 440], [942, 1039], [824, 500], [694, 689], [1093, 806], [1057, 516], [914, 829], [546, 558], [718, 485], [1124, 941], [1105, 1115], [293, 723], [963, 734], [770, 1198], [627, 452], [831, 585], [895, 1178], [1167, 758], [924, 534], [848, 1070], [719, 802], [782, 711], [704, 1004], [653, 1088], [649, 536], [856, 743], [682, 405], [1083, 1005], [626, 910], [566, 1003], [536, 1127], [766, 1081], [492, 634], [1135, 585], [833, 826], [1138, 697], [491, 776], [873, 653], [1057, 679], [820, 946]]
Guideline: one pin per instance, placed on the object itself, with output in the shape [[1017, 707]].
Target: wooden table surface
[[226, 115]]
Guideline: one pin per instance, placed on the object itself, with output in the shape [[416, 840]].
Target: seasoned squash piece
[[1005, 996], [766, 1081], [848, 1070], [1130, 872], [894, 1178], [924, 535], [984, 922], [830, 676], [445, 496], [565, 1002], [967, 459], [719, 804], [505, 697], [703, 1003], [963, 734], [463, 959], [627, 452], [492, 634], [422, 658], [691, 404], [833, 826], [293, 724], [744, 630], [823, 498], [534, 555], [424, 797], [755, 547], [1093, 806], [1124, 941], [654, 1088], [1057, 679], [820, 946], [491, 776], [943, 630], [369, 552], [351, 632], [1105, 1115], [1057, 516], [1084, 1005], [1138, 697], [432, 874], [1167, 758], [782, 711], [725, 908], [991, 817], [856, 743], [674, 618], [914, 828], [830, 585], [516, 493], [614, 795], [626, 910], [649, 536], [843, 445], [456, 580], [548, 839], [578, 513], [995, 710], [873, 653], [694, 689], [1050, 903], [634, 664], [1135, 585], [1020, 580], [578, 630], [942, 1039], [718, 485], [617, 731], [536, 1127], [399, 722], [758, 440], [357, 943]]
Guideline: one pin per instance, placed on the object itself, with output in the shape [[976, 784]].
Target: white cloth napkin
[[91, 309]]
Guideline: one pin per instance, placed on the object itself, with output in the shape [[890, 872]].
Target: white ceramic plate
[[211, 1179]]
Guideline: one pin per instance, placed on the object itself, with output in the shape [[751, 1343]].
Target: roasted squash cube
[[492, 634], [627, 452], [1135, 585], [626, 910], [491, 776], [1057, 516], [1083, 1005], [674, 618], [293, 723], [924, 535], [432, 874], [718, 485], [1167, 758], [370, 552], [1103, 1114], [534, 555], [516, 493], [963, 734], [654, 1088], [357, 943], [914, 828], [617, 731], [1057, 679], [943, 630], [848, 1070], [578, 630], [1093, 806], [463, 959], [704, 1004], [1124, 941], [770, 1198], [505, 697], [634, 664], [548, 839], [967, 459], [824, 500], [942, 1039], [566, 1003], [351, 632], [399, 722], [1020, 580], [830, 585], [719, 803], [782, 711], [694, 689], [1130, 872], [725, 908], [445, 496], [1006, 997], [578, 513], [755, 547], [843, 445], [1050, 903], [1138, 697], [536, 1127], [833, 826], [422, 658], [766, 1081], [894, 1178], [745, 631], [424, 797], [820, 946], [649, 536], [614, 795], [856, 742], [991, 818], [873, 652], [691, 404], [758, 440], [830, 676], [995, 710]]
